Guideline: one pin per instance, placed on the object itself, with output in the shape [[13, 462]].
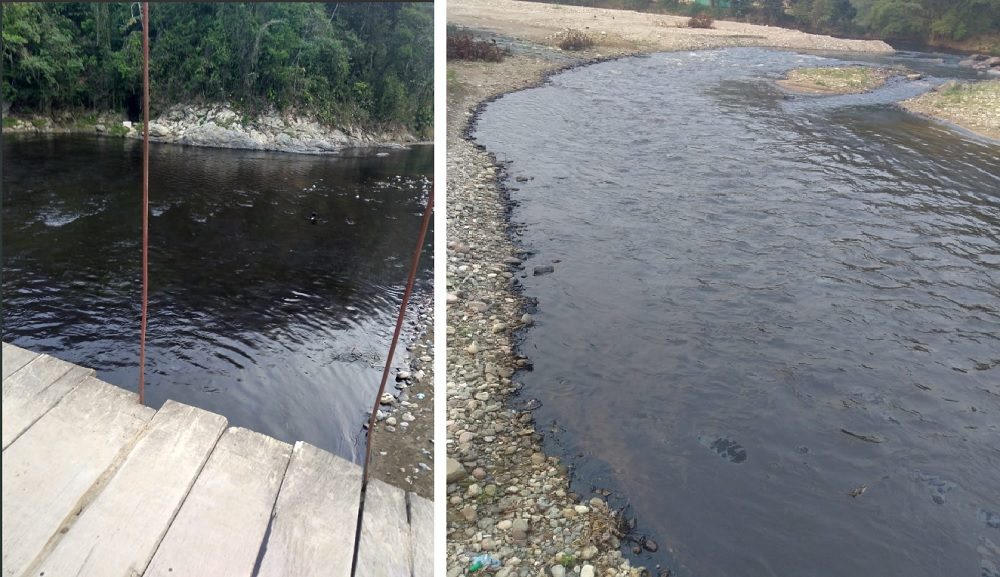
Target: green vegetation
[[836, 79], [965, 95], [973, 24], [367, 64], [972, 105]]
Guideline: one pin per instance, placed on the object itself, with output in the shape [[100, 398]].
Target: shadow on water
[[759, 306], [255, 313]]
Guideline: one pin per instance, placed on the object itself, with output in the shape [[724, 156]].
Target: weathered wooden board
[[220, 527], [24, 402], [315, 517], [14, 357], [117, 534], [51, 470], [421, 535], [35, 376], [384, 549]]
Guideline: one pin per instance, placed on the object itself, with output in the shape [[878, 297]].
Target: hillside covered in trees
[[367, 64], [961, 24]]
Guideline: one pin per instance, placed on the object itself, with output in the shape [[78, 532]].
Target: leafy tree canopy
[[369, 64]]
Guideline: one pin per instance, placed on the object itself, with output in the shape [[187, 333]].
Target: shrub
[[701, 20], [463, 46], [576, 40]]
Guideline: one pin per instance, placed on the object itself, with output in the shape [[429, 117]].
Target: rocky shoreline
[[506, 498], [403, 438], [221, 126], [972, 106], [510, 507]]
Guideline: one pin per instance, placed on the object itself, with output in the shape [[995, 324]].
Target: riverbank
[[974, 106], [403, 439], [506, 498], [624, 31], [220, 126]]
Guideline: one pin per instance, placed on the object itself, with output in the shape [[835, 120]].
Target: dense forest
[[365, 64], [973, 24]]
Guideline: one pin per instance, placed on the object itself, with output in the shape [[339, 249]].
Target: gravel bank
[[618, 31], [403, 439], [973, 106], [505, 497]]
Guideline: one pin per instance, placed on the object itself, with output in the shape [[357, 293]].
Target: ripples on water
[[756, 274], [280, 325]]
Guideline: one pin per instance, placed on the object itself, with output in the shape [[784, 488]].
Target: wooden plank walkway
[[96, 485]]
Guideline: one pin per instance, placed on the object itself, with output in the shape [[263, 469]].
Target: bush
[[576, 40], [702, 20], [463, 46]]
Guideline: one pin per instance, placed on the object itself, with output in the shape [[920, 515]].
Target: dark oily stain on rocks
[[725, 448], [989, 558], [525, 405], [990, 518], [939, 487], [865, 438]]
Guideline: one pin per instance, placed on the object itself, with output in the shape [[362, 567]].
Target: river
[[256, 313], [773, 325]]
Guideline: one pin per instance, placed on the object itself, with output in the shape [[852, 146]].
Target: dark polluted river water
[[761, 306], [255, 313]]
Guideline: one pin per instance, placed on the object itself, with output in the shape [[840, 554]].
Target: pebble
[[455, 471]]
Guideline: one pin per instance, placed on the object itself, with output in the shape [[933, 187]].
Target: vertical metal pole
[[145, 200]]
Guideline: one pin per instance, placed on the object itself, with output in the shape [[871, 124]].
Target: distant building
[[714, 3]]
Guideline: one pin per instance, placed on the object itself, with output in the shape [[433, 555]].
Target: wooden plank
[[118, 533], [221, 525], [55, 467], [14, 357], [315, 517], [384, 549], [35, 376], [421, 535], [26, 400]]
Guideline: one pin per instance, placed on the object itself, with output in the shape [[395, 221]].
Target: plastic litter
[[484, 563]]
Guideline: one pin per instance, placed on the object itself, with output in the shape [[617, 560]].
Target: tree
[[900, 19], [346, 63]]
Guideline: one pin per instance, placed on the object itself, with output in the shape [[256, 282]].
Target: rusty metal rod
[[145, 201]]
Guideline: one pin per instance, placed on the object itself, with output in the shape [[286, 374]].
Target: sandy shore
[[507, 499]]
